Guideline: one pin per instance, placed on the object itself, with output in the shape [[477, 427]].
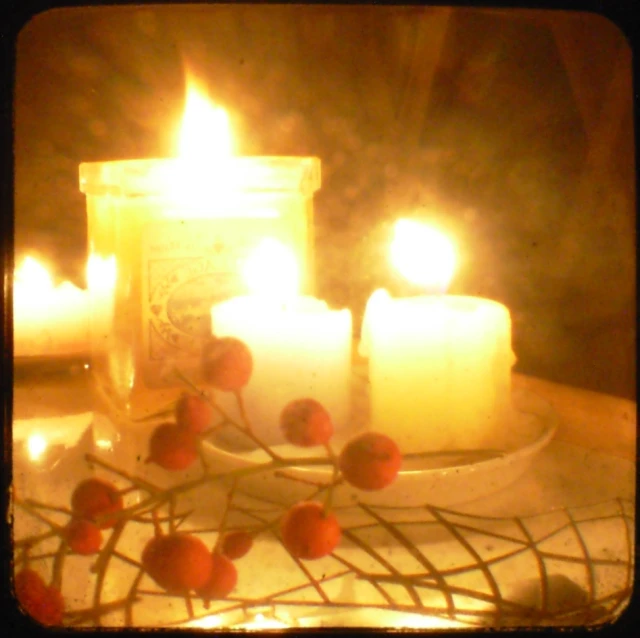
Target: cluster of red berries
[[226, 365], [95, 505], [179, 562], [370, 461]]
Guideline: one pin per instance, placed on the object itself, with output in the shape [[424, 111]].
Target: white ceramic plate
[[441, 481]]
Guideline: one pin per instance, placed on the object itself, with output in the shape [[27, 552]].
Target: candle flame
[[423, 255], [272, 270], [204, 150], [206, 133], [36, 447], [101, 272], [32, 278]]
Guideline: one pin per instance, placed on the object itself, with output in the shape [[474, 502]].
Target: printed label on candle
[[188, 266]]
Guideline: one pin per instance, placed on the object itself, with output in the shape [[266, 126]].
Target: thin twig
[[135, 480], [131, 598], [103, 561]]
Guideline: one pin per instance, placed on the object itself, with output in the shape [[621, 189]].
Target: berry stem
[[80, 616], [140, 483], [328, 501], [31, 503], [103, 561], [247, 429], [189, 604], [201, 456], [169, 409], [30, 507], [131, 598], [204, 395], [225, 514], [243, 412], [58, 565], [157, 530], [172, 513], [25, 543]]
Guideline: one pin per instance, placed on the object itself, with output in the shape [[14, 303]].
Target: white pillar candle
[[439, 370], [439, 365], [301, 348]]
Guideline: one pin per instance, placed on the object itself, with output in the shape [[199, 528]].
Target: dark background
[[513, 129]]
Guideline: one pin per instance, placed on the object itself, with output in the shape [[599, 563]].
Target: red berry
[[306, 423], [44, 604], [29, 587], [371, 461], [93, 499], [227, 363], [236, 544], [223, 579], [177, 562], [172, 447], [308, 531], [193, 412], [83, 537]]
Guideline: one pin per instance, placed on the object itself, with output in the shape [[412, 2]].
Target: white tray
[[442, 481]]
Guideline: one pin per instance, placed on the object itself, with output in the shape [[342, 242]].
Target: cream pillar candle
[[439, 365], [48, 320], [439, 370], [301, 348]]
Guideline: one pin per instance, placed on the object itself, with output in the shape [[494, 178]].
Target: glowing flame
[[36, 446], [423, 255], [204, 149], [33, 278], [272, 270], [205, 134], [101, 272]]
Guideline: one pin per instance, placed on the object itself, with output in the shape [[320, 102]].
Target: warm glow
[[207, 622], [48, 319], [272, 270], [260, 621], [413, 621], [205, 135], [101, 272], [105, 445], [36, 446], [32, 278], [204, 151], [423, 255]]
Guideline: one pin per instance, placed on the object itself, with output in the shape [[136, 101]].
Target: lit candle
[[176, 229], [48, 320], [439, 365], [301, 348]]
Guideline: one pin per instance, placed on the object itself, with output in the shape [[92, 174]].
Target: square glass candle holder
[[167, 240]]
